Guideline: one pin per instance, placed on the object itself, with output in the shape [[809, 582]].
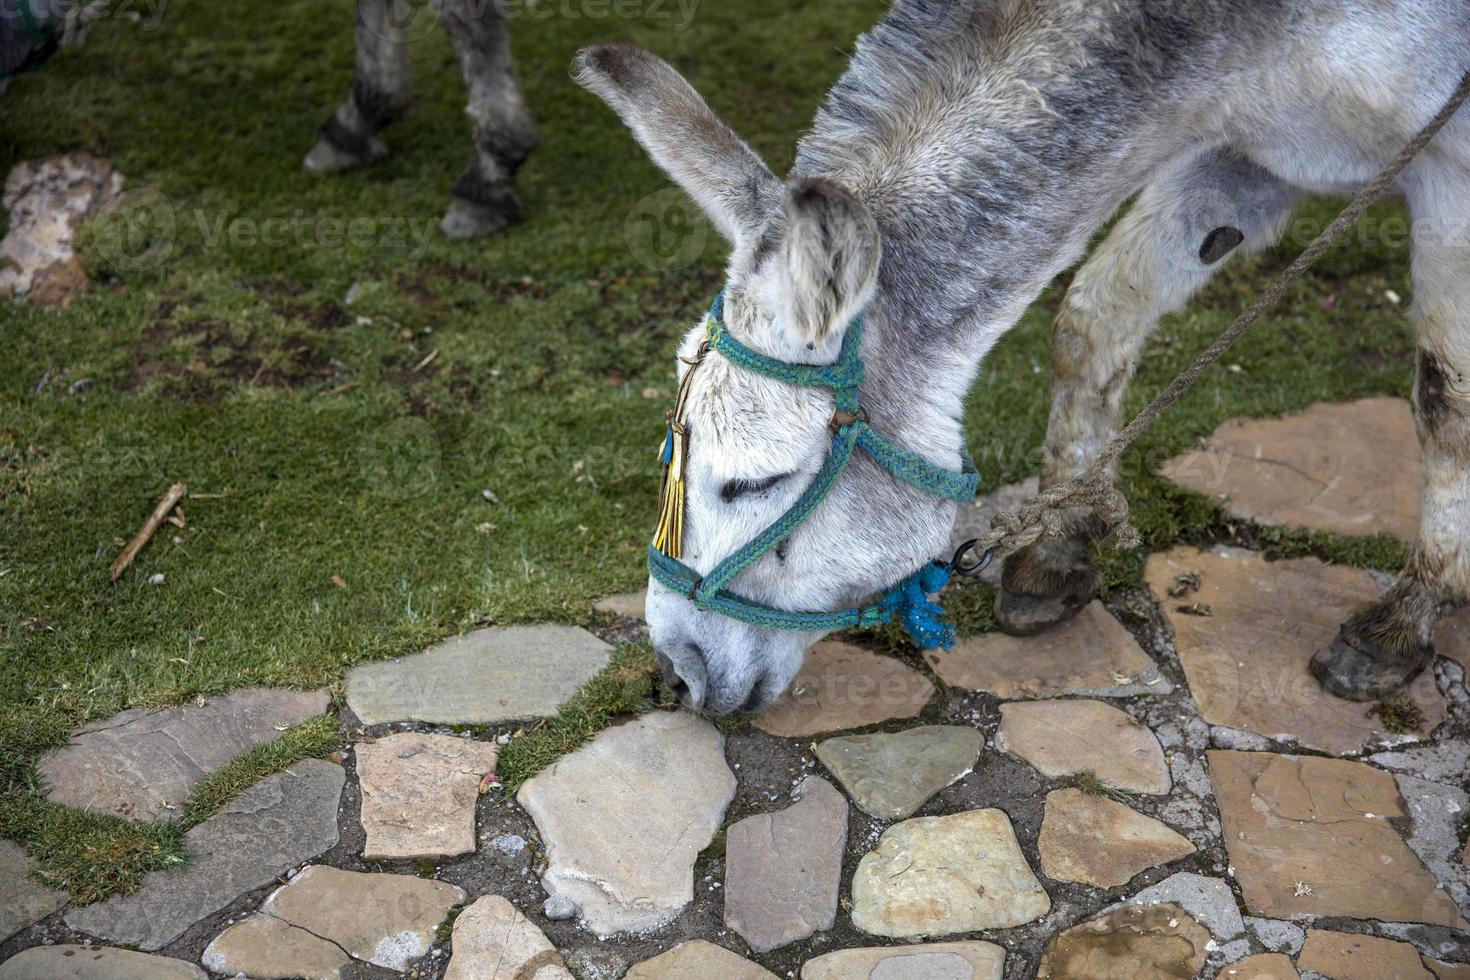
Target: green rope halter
[[909, 598]]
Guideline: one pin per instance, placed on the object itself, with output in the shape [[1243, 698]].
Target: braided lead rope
[[1096, 488]]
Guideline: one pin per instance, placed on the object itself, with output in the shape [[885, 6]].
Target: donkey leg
[[1174, 239], [381, 90], [484, 197], [1386, 644]]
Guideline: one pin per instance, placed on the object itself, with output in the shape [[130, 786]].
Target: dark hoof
[[1351, 672], [466, 219], [1035, 594], [329, 158]]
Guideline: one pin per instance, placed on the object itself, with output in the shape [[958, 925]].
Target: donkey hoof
[[1358, 670], [329, 158], [1036, 593], [1027, 615], [466, 219]]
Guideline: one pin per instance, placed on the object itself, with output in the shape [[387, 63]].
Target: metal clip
[[971, 569]]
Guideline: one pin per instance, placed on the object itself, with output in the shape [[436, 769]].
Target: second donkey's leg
[[484, 198], [381, 89], [1173, 240], [1385, 645]]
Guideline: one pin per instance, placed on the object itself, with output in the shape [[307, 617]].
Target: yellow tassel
[[669, 538]]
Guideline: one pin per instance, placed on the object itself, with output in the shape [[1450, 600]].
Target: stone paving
[[1156, 789]]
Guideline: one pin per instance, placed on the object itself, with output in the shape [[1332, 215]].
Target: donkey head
[[804, 263]]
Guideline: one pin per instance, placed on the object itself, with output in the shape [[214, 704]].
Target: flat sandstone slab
[[624, 817], [1352, 468], [273, 826], [23, 899], [143, 763], [383, 919], [1067, 737], [1311, 837], [71, 962], [502, 673], [1097, 841], [494, 941], [935, 876], [892, 774], [1128, 944], [841, 686], [1089, 655], [1247, 663], [697, 959], [419, 793], [1351, 956], [783, 869], [931, 961]]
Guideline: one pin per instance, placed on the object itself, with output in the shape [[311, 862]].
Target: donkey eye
[[735, 489]]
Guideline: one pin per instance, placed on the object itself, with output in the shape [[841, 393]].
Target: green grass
[[314, 443]]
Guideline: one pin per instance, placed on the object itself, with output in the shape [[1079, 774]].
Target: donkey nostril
[[675, 682]]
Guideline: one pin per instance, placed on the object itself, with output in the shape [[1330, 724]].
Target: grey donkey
[[484, 199], [966, 158]]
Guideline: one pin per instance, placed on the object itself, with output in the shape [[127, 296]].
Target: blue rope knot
[[920, 615]]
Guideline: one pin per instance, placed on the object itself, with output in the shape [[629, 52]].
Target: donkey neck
[[991, 141]]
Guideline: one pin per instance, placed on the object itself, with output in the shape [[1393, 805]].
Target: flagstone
[[500, 673], [278, 823], [264, 947], [1277, 935], [143, 763], [1446, 971], [1247, 663], [419, 793], [892, 774], [972, 520], [1067, 737], [1128, 944], [972, 960], [1098, 841], [1090, 654], [1452, 638], [1436, 815], [1350, 468], [494, 941], [1310, 836], [1262, 966], [23, 899], [624, 817], [626, 605], [933, 876], [698, 959], [783, 869], [72, 962], [384, 919], [1208, 900], [841, 686], [1351, 956]]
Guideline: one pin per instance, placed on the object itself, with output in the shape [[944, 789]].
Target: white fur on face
[[867, 534]]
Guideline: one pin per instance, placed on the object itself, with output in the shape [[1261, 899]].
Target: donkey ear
[[723, 175], [829, 254]]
